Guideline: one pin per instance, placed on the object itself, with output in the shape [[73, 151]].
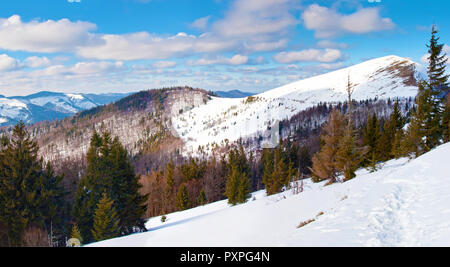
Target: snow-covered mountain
[[49, 106], [403, 204], [231, 118], [193, 118]]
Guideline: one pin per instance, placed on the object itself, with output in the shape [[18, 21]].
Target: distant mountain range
[[233, 94], [49, 106]]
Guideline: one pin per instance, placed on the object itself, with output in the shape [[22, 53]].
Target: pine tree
[[109, 170], [437, 59], [182, 197], [446, 121], [398, 150], [305, 161], [31, 197], [371, 140], [76, 233], [424, 131], [202, 200], [231, 190], [348, 156], [324, 162], [106, 220], [390, 128]]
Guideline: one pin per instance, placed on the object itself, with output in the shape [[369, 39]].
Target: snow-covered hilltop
[[49, 105], [402, 204], [227, 118]]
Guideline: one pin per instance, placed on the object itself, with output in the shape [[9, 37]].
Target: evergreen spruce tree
[[182, 197], [437, 61], [267, 163], [30, 196], [427, 123], [305, 161], [106, 220], [231, 190], [371, 139], [349, 156], [202, 200], [397, 147], [76, 233], [244, 188], [109, 170], [424, 130], [446, 121]]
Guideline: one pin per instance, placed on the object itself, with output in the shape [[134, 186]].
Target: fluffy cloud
[[256, 17], [81, 68], [327, 23], [235, 60], [36, 62], [164, 64], [47, 36], [309, 55], [8, 63], [248, 26], [201, 23], [235, 32]]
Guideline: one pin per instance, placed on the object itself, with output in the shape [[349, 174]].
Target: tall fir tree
[[446, 121], [76, 233], [305, 161], [424, 131], [437, 62], [182, 197], [371, 139], [31, 196], [349, 156], [106, 220], [109, 170]]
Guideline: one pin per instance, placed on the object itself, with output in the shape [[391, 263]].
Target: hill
[[49, 106], [399, 205]]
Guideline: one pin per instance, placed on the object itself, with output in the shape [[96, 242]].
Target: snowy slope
[[403, 204], [231, 118], [48, 106]]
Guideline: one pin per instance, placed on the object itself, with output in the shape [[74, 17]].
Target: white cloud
[[82, 68], [327, 22], [164, 64], [201, 23], [36, 62], [235, 60], [249, 25], [310, 55], [46, 36], [8, 63]]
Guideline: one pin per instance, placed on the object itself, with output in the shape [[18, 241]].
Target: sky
[[98, 46]]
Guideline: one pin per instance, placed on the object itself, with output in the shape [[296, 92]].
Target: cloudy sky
[[101, 46]]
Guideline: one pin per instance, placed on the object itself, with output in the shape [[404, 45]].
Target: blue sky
[[100, 46]]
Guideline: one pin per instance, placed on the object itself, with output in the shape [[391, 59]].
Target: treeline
[[37, 210], [232, 175], [341, 152]]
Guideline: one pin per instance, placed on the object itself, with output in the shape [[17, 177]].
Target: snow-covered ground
[[406, 203]]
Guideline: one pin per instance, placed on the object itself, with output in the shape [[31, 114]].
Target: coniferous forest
[[110, 193]]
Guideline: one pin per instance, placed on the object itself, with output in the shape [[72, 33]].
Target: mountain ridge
[[47, 105]]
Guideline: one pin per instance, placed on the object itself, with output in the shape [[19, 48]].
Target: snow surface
[[231, 118], [403, 204]]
